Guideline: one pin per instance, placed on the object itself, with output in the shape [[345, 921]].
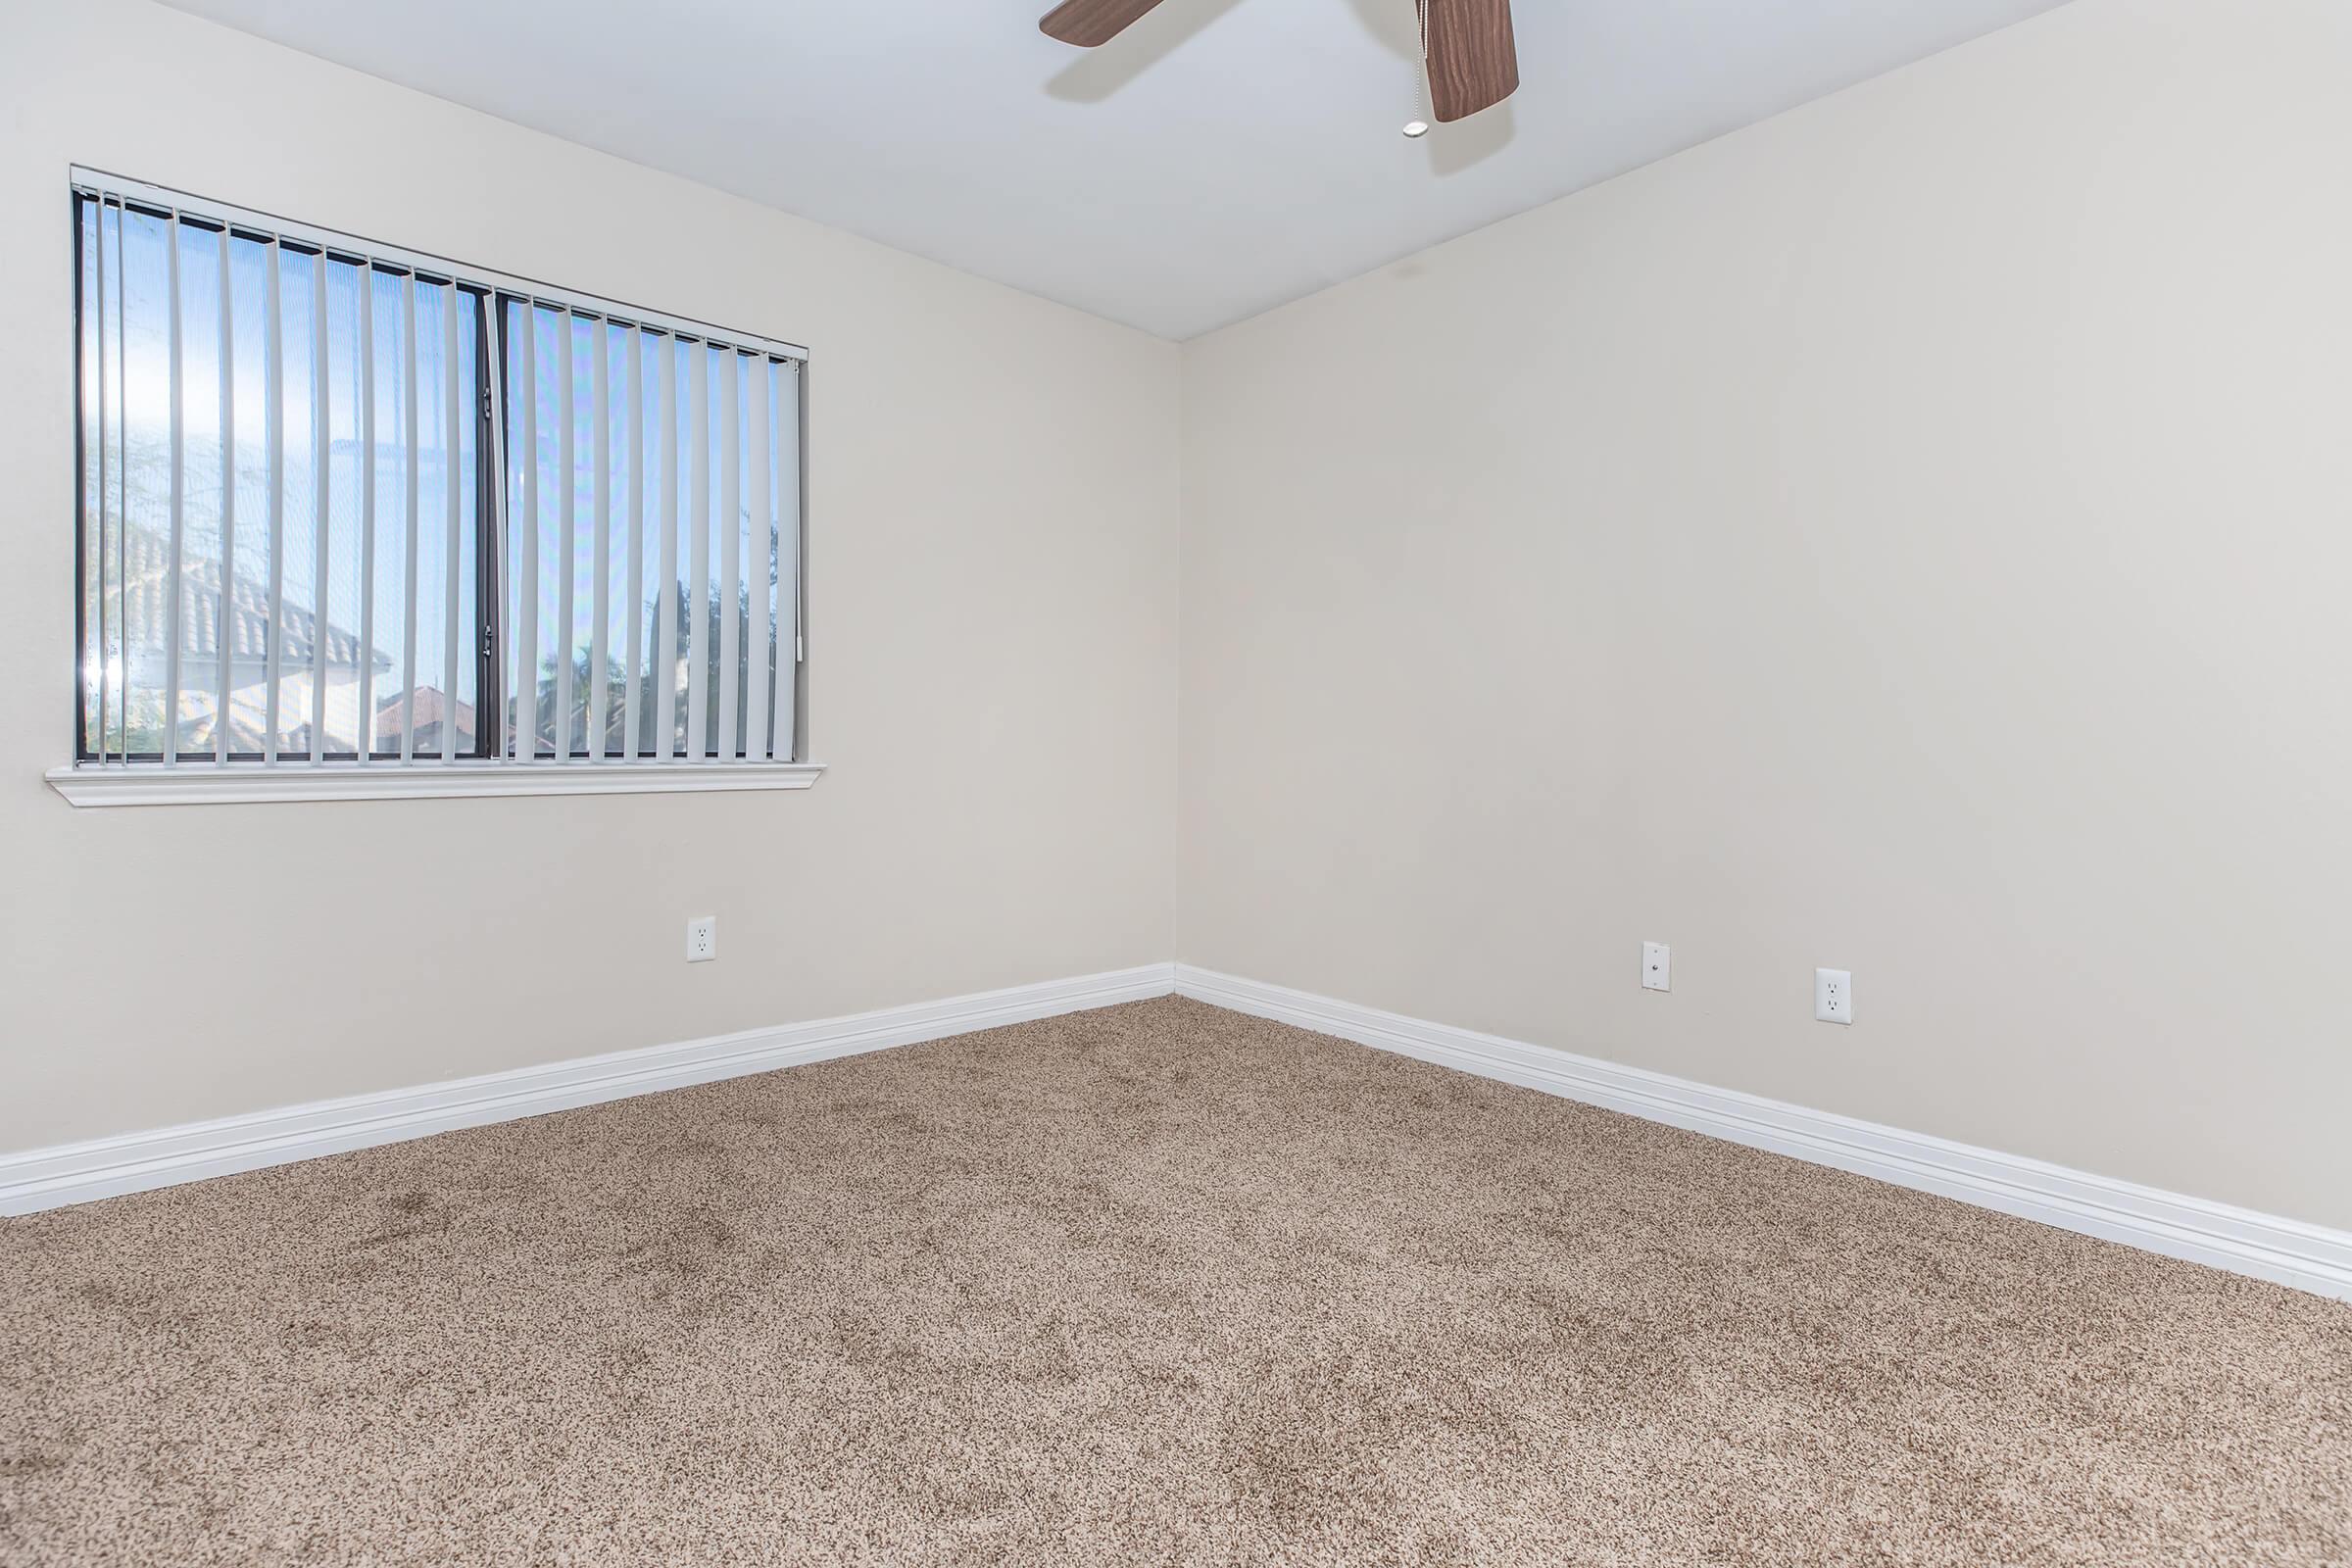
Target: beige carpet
[[1154, 1285]]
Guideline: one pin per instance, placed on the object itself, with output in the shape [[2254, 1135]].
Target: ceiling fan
[[1472, 62]]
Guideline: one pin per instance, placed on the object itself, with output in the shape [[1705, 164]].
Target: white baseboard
[[2309, 1257], [77, 1173], [2289, 1251]]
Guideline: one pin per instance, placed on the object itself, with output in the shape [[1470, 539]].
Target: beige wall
[[992, 656], [1910, 535]]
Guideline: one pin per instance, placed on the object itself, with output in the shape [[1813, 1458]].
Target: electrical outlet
[[1654, 957], [702, 939], [1834, 996]]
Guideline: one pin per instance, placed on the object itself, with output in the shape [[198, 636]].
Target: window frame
[[146, 778]]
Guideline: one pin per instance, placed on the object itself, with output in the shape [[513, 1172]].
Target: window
[[353, 517]]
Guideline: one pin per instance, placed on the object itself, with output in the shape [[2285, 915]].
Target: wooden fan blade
[[1090, 23], [1473, 62]]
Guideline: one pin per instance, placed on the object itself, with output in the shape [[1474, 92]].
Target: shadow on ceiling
[[1096, 74]]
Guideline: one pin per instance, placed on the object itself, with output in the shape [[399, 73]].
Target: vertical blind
[[344, 504], [652, 538]]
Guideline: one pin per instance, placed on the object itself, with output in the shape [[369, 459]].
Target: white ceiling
[[1219, 158]]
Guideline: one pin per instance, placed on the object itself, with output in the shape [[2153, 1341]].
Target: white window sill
[[233, 783]]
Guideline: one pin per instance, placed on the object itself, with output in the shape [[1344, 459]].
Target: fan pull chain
[[1417, 127]]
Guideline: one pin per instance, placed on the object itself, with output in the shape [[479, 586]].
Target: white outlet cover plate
[[702, 939], [1834, 996], [1656, 970]]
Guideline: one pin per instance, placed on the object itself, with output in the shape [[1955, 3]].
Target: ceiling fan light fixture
[[1416, 128]]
